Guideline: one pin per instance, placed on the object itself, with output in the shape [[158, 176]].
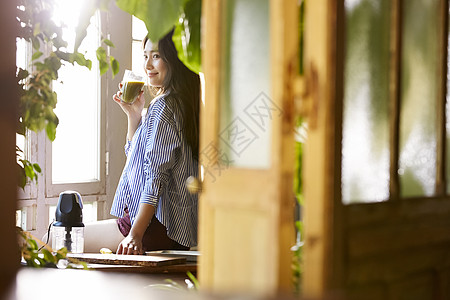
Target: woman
[[154, 207]]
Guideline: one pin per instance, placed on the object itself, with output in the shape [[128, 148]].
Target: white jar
[[70, 237]]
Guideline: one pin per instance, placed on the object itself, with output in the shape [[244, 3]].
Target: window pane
[[20, 219], [21, 143], [365, 142], [23, 50], [137, 59], [247, 110], [75, 151], [418, 128], [139, 31]]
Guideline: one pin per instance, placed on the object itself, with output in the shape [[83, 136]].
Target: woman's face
[[155, 67]]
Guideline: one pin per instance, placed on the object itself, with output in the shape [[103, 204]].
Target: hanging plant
[[161, 16]]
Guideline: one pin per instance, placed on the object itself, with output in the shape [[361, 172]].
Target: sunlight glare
[[66, 14]]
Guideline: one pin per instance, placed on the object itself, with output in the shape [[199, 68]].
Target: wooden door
[[246, 226], [377, 205]]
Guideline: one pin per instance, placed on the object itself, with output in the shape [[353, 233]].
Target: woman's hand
[[133, 110], [130, 245]]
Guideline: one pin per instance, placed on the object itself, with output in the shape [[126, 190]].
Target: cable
[[48, 235]]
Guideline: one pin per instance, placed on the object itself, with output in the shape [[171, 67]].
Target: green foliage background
[[161, 16]]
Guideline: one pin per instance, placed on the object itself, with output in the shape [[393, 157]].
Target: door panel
[[246, 226], [419, 98]]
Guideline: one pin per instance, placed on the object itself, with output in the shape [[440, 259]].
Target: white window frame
[[35, 200]]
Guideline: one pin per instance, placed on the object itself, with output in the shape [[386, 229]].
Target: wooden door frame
[[322, 95]]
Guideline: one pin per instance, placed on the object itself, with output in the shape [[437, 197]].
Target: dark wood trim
[[394, 96], [398, 266], [180, 269], [10, 256], [337, 31], [373, 214], [441, 147]]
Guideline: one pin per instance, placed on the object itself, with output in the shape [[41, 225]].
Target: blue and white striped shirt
[[159, 161]]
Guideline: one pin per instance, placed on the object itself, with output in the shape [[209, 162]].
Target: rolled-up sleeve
[[127, 147], [162, 142]]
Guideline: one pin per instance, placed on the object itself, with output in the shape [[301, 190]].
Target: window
[[76, 159], [76, 150], [392, 133], [27, 204], [365, 145]]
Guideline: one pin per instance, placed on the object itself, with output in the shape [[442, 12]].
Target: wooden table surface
[[151, 264]]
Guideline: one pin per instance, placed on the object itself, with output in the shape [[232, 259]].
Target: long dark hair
[[183, 86]]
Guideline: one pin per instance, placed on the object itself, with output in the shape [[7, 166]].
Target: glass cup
[[132, 85]]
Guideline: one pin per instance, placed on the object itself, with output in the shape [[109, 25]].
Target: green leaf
[[104, 66], [40, 66], [114, 65], [102, 60], [64, 56], [81, 60], [35, 42], [37, 168], [48, 256], [22, 74], [29, 171], [159, 16], [50, 129], [61, 253], [36, 55], [21, 128], [298, 170], [101, 54], [37, 29], [22, 179], [32, 244], [32, 263], [108, 42], [186, 36], [193, 279], [89, 64]]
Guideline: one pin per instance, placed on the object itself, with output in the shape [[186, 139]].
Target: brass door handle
[[307, 95], [193, 185]]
